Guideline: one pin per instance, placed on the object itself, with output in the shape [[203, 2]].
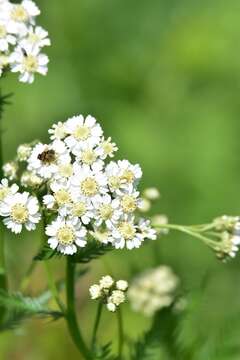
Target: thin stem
[[52, 287], [120, 333], [191, 232], [71, 316], [96, 324]]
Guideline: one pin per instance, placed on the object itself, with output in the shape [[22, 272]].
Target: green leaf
[[158, 342], [91, 251], [104, 352], [19, 308]]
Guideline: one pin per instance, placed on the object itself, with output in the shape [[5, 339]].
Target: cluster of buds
[[21, 41], [153, 290], [228, 228], [109, 292]]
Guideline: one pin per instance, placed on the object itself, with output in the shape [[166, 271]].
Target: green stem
[[71, 316], [120, 333], [191, 232], [96, 324], [53, 288]]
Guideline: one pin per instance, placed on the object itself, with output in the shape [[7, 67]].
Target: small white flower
[[95, 292], [10, 170], [6, 38], [28, 63], [88, 155], [106, 148], [107, 210], [61, 197], [4, 61], [23, 152], [89, 182], [66, 235], [111, 307], [6, 189], [122, 285], [20, 209], [30, 179], [117, 297], [36, 37], [151, 193], [81, 132], [147, 231], [44, 159], [57, 131], [81, 208], [106, 282]]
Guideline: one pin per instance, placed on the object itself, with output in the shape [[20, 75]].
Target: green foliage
[[91, 251], [19, 308], [104, 352]]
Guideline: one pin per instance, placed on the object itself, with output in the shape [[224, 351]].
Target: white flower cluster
[[21, 40], [229, 228], [86, 195], [109, 292], [153, 290]]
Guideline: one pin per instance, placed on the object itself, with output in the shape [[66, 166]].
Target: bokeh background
[[163, 78]]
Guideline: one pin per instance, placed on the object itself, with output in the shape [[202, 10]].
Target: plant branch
[[96, 324]]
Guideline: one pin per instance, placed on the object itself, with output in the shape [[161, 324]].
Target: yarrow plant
[[21, 40], [86, 205]]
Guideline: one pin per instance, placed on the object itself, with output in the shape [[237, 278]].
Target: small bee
[[47, 156]]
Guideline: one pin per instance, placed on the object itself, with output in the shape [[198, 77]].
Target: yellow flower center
[[19, 213], [81, 132], [4, 191], [62, 197], [127, 176], [105, 211], [88, 157], [107, 148], [128, 203], [65, 170], [19, 13], [66, 235], [3, 31], [127, 230], [89, 187], [79, 209], [114, 182], [30, 63]]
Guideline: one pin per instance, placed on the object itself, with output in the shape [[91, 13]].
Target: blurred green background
[[163, 79]]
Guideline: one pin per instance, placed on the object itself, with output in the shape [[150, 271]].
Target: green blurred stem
[[51, 282], [71, 315], [96, 324], [120, 333], [190, 231]]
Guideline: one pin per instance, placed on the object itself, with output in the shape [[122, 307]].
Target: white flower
[[30, 179], [130, 234], [88, 155], [82, 131], [44, 158], [36, 37], [81, 208], [95, 291], [65, 235], [6, 189], [122, 285], [117, 297], [61, 197], [28, 63], [111, 307], [106, 148], [20, 209], [89, 182], [57, 131], [10, 170], [153, 290], [106, 282], [4, 61], [122, 176], [130, 202], [6, 38], [23, 152], [107, 210], [151, 193]]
